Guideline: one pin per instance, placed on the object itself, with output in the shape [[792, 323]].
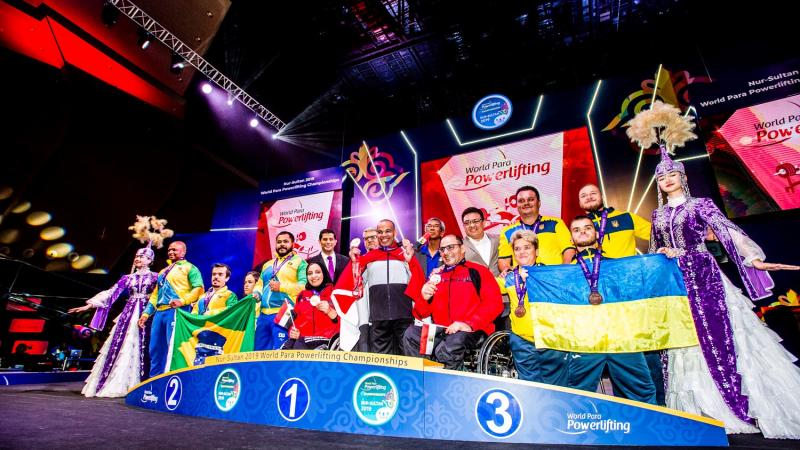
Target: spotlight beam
[[172, 42], [594, 143], [641, 149], [416, 182]]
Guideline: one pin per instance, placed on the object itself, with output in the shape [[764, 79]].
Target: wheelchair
[[493, 356]]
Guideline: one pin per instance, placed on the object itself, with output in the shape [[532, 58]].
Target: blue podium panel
[[372, 394], [359, 393], [475, 407]]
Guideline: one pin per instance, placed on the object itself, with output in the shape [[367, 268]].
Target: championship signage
[[389, 395], [492, 111], [303, 183]]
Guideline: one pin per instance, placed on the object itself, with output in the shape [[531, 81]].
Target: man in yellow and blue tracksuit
[[282, 278], [628, 371], [553, 246], [179, 284], [619, 240], [219, 297]]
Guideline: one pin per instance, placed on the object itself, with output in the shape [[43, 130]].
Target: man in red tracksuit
[[463, 300]]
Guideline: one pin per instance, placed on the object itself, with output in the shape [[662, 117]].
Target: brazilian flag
[[645, 307], [197, 337]]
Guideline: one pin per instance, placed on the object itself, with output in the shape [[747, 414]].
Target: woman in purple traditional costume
[[120, 364], [739, 374]]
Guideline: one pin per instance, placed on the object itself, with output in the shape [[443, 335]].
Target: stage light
[[101, 271], [52, 233], [206, 88], [38, 218], [109, 15], [145, 38], [83, 262], [274, 135], [28, 253], [177, 63], [5, 192], [21, 207], [9, 236], [59, 250], [253, 122], [230, 101]]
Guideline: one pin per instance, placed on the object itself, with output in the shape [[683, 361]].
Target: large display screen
[[755, 152], [558, 165]]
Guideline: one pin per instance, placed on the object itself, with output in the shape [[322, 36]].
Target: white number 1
[[292, 392]]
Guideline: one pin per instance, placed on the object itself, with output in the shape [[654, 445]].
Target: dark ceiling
[[93, 154], [340, 71]]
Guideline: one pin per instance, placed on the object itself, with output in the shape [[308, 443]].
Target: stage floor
[[57, 416]]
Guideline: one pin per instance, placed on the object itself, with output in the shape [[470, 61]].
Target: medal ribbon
[[519, 286], [532, 227], [593, 277], [277, 267]]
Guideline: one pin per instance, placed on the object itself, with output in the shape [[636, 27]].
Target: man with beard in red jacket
[[463, 300]]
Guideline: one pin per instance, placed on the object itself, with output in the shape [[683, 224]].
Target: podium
[[372, 394]]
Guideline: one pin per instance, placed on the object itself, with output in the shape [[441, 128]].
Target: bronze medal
[[520, 311], [595, 298]]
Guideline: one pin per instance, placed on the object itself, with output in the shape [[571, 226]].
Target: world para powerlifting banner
[[303, 216], [557, 164], [197, 337]]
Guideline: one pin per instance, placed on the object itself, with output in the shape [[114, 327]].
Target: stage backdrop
[[303, 216], [557, 164]]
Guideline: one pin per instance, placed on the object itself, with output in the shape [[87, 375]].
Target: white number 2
[[173, 385]]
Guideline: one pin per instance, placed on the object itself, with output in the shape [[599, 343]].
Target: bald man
[[179, 284]]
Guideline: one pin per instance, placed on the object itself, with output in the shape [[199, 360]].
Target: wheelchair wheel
[[333, 344], [495, 356]]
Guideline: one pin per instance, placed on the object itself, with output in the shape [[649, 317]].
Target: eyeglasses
[[449, 248], [369, 238], [472, 222]]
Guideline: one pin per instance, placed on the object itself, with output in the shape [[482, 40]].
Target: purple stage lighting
[[206, 88], [254, 122]]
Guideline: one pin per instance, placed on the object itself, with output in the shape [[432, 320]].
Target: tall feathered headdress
[[665, 125], [150, 230]]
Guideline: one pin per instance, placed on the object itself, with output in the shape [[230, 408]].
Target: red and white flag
[[427, 338], [285, 315]]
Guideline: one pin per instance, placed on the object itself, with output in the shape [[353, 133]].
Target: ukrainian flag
[[645, 307], [197, 337]]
